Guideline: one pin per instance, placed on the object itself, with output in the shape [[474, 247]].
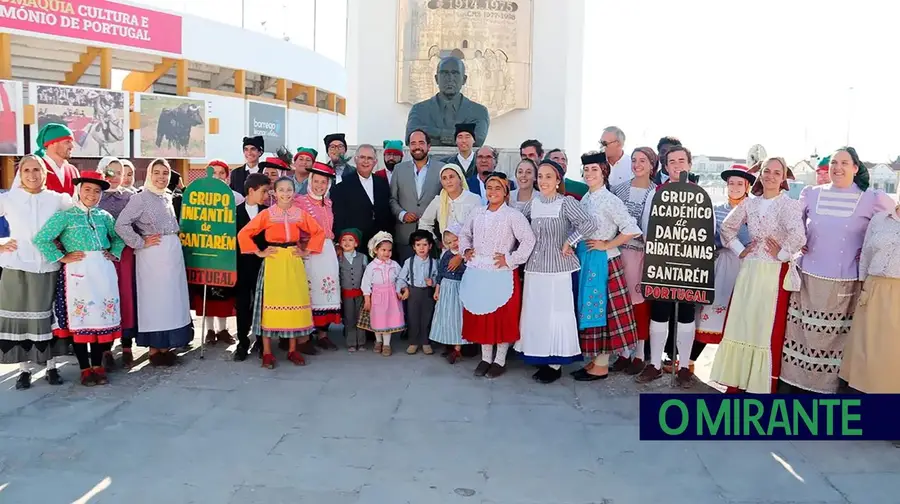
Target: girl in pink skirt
[[382, 294]]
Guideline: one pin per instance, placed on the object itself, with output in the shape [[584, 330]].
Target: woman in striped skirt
[[548, 324]]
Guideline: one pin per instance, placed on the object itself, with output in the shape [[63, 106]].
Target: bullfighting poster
[[171, 127], [12, 141], [209, 232], [97, 117]]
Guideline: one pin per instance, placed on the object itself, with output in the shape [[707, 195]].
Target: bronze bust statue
[[439, 115]]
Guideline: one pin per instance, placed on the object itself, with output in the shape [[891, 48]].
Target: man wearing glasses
[[485, 163], [613, 142], [336, 145]]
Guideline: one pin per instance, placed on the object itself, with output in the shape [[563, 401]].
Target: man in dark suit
[[253, 149], [257, 189], [439, 115], [362, 200]]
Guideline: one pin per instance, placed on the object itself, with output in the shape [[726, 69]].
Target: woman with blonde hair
[[28, 283], [149, 226]]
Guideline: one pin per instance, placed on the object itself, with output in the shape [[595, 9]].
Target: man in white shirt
[[465, 142], [613, 142], [253, 149], [362, 200]]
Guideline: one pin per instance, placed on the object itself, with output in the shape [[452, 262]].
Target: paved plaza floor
[[362, 428]]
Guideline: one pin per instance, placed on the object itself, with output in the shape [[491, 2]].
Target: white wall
[[303, 130], [232, 115], [232, 47], [555, 114]]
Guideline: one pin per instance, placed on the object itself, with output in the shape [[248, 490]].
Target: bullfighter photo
[[98, 118]]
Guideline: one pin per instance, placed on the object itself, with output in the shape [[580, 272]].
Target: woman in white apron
[[148, 225], [87, 289], [322, 270], [29, 280]]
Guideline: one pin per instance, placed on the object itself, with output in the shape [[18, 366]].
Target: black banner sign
[[679, 263]]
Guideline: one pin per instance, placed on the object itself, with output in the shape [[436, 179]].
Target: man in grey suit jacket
[[413, 185]]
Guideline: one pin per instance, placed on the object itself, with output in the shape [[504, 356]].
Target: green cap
[[51, 133], [356, 233], [394, 145], [307, 151]]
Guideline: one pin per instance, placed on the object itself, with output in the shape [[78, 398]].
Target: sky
[[725, 75], [720, 75]]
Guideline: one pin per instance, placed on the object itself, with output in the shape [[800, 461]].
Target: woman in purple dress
[[836, 217]]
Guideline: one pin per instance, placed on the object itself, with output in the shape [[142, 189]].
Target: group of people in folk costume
[[804, 288]]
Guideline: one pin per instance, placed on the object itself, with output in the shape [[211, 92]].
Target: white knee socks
[[487, 353], [51, 363], [502, 348], [555, 367], [24, 367], [659, 331], [685, 340], [387, 339], [216, 324]]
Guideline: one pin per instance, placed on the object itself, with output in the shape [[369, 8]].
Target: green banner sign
[[208, 232]]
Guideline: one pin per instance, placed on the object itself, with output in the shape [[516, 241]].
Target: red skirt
[[220, 301], [125, 271], [324, 318], [642, 320], [501, 326]]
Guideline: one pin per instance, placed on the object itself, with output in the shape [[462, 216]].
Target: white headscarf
[[148, 183]]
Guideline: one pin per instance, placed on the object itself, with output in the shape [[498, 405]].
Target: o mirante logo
[[776, 417]]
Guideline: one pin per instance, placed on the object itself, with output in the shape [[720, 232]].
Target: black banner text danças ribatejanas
[[679, 256]]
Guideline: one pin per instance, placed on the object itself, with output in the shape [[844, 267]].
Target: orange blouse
[[282, 226]]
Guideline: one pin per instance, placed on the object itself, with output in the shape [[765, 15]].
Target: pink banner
[[95, 21]]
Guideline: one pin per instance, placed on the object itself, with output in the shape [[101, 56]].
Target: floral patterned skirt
[[322, 272]]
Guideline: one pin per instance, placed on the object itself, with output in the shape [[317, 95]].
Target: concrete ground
[[362, 428]]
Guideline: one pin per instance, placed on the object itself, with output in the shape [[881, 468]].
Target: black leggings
[[94, 357]]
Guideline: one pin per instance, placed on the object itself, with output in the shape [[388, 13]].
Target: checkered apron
[[620, 330]]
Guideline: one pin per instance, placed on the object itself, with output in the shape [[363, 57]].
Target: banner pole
[[676, 363], [203, 325]]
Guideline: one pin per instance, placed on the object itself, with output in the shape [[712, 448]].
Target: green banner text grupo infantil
[[208, 233]]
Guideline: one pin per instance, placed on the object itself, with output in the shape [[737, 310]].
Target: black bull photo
[[175, 125]]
